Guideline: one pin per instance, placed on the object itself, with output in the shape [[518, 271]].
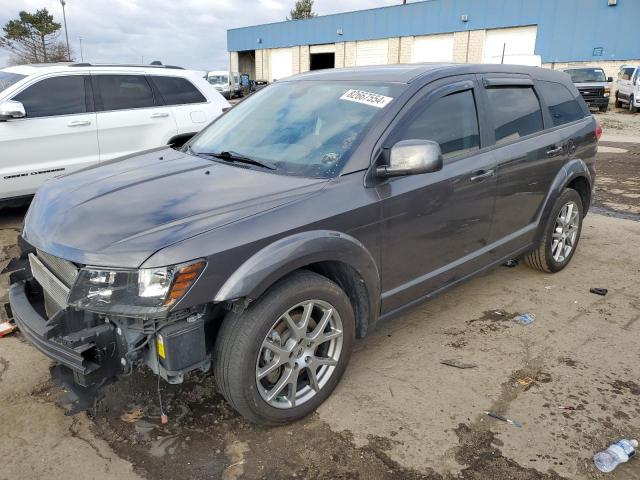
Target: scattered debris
[[132, 416], [457, 363], [599, 291], [526, 318], [567, 407], [504, 419], [526, 381], [512, 262], [7, 328], [164, 419]]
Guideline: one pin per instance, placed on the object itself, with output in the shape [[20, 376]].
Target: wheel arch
[[337, 256], [576, 175]]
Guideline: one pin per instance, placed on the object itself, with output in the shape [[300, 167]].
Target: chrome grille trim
[[51, 285], [64, 270]]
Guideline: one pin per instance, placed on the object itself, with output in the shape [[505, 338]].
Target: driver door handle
[[79, 123], [159, 115], [481, 175], [555, 151]]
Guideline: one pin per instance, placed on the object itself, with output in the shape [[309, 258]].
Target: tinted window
[[54, 96], [451, 121], [516, 112], [124, 91], [7, 79], [177, 91], [564, 108]]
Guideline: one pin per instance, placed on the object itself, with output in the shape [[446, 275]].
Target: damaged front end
[[89, 323]]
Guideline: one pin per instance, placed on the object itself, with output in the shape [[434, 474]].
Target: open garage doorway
[[322, 56], [247, 63], [322, 60]]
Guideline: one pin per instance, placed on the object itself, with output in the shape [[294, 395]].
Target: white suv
[[628, 87], [57, 118]]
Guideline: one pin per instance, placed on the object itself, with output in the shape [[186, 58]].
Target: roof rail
[[84, 64]]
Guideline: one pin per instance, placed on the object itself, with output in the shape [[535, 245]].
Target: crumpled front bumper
[[75, 350]]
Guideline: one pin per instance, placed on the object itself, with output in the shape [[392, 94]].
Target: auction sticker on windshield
[[368, 98]]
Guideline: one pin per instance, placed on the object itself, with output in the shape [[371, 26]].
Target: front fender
[[284, 256], [571, 170]]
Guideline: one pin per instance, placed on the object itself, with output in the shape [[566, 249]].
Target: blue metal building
[[564, 31]]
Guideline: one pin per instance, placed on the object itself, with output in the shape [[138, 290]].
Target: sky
[[189, 33]]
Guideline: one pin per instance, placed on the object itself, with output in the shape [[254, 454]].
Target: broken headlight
[[133, 292]]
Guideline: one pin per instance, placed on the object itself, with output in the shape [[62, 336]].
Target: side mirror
[[609, 79], [412, 157], [10, 110]]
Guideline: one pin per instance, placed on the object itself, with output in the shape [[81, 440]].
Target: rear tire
[[562, 231], [275, 367]]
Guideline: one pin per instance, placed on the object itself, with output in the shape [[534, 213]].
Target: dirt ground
[[399, 413]]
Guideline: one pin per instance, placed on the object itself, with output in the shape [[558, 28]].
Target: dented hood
[[120, 213]]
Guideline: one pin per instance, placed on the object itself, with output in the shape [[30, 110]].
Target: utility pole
[[81, 56], [66, 33]]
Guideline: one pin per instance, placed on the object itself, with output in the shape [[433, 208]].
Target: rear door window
[[563, 106], [121, 92], [54, 96], [452, 121], [177, 91], [516, 112]]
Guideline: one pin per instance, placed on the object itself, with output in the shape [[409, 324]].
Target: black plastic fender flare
[[570, 171]]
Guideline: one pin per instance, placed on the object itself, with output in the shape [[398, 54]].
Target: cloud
[[189, 33]]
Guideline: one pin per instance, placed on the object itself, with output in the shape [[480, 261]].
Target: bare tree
[[33, 38]]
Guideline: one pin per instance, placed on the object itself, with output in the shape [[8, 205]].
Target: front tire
[[561, 234], [277, 361], [632, 106], [618, 102], [604, 108]]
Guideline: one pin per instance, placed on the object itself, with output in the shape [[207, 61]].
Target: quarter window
[[121, 92], [177, 91], [564, 108], [54, 96], [452, 121], [516, 112]]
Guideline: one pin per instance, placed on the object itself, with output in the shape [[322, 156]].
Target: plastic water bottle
[[616, 454]]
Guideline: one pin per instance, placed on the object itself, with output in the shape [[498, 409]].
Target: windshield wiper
[[230, 156]]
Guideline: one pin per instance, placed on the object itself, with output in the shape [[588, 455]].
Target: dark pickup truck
[[348, 196], [593, 85]]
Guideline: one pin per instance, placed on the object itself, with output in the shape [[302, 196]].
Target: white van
[[628, 87], [57, 118], [227, 83]]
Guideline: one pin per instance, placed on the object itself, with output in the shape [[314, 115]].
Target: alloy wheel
[[299, 354], [565, 232]]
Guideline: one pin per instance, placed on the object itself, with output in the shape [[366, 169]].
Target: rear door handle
[[79, 123], [481, 175], [555, 151], [159, 115]]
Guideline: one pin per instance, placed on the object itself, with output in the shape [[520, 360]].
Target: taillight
[[598, 132]]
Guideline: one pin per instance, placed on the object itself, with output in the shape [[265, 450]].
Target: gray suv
[[263, 252]]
